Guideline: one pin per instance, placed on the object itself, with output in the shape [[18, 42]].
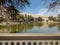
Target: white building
[[45, 18]]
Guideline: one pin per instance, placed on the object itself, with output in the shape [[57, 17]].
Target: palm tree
[[54, 5], [12, 12], [20, 3]]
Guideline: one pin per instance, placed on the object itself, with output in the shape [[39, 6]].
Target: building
[[45, 18]]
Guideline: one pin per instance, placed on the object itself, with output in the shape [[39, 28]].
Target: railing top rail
[[27, 34]]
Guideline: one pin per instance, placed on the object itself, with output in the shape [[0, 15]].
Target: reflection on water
[[31, 28]]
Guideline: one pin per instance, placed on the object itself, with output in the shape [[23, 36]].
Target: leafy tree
[[20, 18], [51, 18], [30, 18], [12, 12], [39, 19], [15, 3], [10, 7], [54, 4]]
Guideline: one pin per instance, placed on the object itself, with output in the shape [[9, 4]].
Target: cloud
[[58, 11], [43, 11]]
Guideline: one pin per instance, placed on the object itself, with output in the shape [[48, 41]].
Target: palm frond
[[15, 3], [54, 4]]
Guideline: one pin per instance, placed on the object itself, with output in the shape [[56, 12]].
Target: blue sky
[[40, 7]]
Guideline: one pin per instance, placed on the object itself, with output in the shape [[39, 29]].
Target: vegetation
[[1, 19], [39, 19], [55, 4], [51, 18], [10, 11], [10, 8], [28, 19]]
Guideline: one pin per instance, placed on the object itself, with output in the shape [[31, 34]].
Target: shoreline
[[10, 23]]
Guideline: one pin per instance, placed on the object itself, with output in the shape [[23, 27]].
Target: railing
[[29, 39], [29, 42]]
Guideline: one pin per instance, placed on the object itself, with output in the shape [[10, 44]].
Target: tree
[[39, 19], [51, 18], [53, 5], [11, 7], [15, 3], [30, 18], [12, 12], [20, 18]]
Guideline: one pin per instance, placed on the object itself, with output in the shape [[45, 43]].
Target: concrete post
[[31, 42], [43, 43], [37, 42], [3, 43], [20, 43], [48, 43], [59, 43], [53, 43], [15, 43]]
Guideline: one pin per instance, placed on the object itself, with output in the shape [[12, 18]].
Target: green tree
[[39, 19], [30, 18], [54, 4], [20, 18], [51, 18], [8, 5], [15, 3]]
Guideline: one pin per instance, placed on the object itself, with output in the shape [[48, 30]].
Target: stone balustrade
[[24, 39], [29, 42]]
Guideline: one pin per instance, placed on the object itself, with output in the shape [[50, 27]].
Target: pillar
[[42, 42], [3, 43], [53, 43], [58, 42], [48, 43], [37, 42], [31, 42], [15, 43], [20, 42]]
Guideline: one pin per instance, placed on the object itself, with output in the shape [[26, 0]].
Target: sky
[[40, 7]]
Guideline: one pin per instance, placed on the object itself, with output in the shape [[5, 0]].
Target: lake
[[31, 28]]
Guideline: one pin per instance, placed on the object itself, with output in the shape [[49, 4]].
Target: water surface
[[31, 28]]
